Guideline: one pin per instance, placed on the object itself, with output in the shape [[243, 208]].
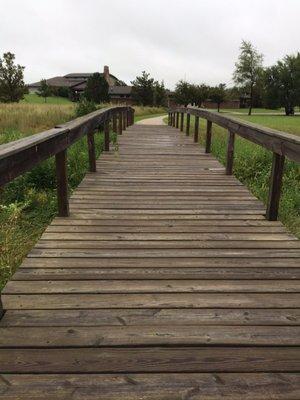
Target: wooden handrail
[[22, 155], [282, 145]]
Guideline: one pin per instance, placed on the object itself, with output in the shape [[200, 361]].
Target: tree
[[282, 84], [218, 94], [159, 94], [96, 89], [200, 94], [12, 86], [184, 93], [248, 69], [143, 89], [44, 90]]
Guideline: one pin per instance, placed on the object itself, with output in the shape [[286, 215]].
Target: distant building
[[76, 84], [120, 94]]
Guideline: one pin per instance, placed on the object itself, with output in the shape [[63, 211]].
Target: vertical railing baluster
[[188, 121], [62, 183], [177, 120], [230, 153], [181, 121], [114, 122], [275, 187], [208, 137], [106, 135], [91, 151], [196, 131], [124, 120]]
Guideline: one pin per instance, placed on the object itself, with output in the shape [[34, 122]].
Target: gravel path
[[153, 121]]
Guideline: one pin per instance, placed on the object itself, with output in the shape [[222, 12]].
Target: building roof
[[58, 81], [120, 90]]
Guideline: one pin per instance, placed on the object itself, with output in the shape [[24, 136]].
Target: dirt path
[[153, 121]]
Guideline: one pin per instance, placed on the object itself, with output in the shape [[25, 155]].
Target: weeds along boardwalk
[[166, 282]]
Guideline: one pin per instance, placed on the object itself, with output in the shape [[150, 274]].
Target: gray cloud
[[193, 39]]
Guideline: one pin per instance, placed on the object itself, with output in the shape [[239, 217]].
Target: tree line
[[270, 87]]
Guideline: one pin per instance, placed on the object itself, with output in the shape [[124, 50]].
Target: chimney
[[106, 71]]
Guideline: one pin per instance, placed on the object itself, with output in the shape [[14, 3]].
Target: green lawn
[[289, 124], [33, 98], [256, 111]]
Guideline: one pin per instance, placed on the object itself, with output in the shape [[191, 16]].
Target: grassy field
[[28, 204], [33, 98], [252, 164]]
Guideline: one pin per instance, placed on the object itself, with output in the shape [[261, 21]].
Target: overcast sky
[[196, 40]]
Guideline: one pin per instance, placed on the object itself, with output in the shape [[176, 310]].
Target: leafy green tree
[[84, 107], [184, 93], [44, 90], [12, 86], [159, 94], [218, 94], [200, 94], [282, 84], [248, 69], [143, 89], [96, 89]]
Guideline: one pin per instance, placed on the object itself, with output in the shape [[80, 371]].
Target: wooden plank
[[111, 360], [96, 273], [146, 300], [153, 317], [153, 286], [96, 337], [154, 386]]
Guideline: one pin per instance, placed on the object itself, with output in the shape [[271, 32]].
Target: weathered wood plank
[[195, 359]]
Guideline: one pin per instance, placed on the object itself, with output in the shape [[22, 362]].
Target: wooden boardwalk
[[166, 282]]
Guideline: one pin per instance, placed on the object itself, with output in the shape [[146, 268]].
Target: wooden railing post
[[124, 120], [196, 131], [114, 123], [230, 153], [181, 121], [91, 151], [120, 123], [275, 187], [127, 118], [173, 120], [208, 137], [106, 135], [169, 119], [177, 120], [188, 121], [62, 183]]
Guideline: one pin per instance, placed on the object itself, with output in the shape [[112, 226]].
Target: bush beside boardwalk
[[29, 202]]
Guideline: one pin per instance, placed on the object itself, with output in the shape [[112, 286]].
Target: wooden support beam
[[275, 187], [208, 137], [62, 183], [124, 121], [106, 135], [114, 122], [91, 151], [230, 153], [196, 131], [177, 120], [169, 119], [181, 122], [120, 123], [188, 122]]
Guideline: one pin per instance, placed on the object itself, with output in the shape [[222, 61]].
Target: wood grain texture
[[166, 282]]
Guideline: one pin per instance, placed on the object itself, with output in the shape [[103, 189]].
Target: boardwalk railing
[[280, 143], [22, 155]]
